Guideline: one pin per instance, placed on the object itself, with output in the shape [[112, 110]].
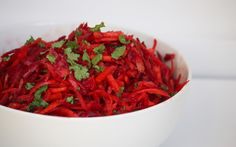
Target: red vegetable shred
[[89, 73]]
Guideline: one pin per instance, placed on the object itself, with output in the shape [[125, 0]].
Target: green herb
[[6, 58], [85, 57], [28, 85], [123, 40], [38, 101], [78, 88], [98, 27], [172, 94], [120, 91], [99, 49], [118, 52], [164, 87], [115, 112], [96, 59], [71, 56], [38, 93], [80, 72], [58, 44], [72, 44], [51, 58], [85, 42], [30, 40], [78, 33], [41, 44], [98, 68], [70, 99]]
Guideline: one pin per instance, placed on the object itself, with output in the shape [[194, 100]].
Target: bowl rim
[[128, 114]]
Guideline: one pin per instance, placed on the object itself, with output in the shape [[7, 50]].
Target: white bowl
[[144, 128]]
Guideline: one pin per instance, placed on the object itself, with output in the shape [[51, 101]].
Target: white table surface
[[209, 118]]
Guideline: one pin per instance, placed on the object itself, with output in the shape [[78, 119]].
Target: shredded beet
[[89, 73]]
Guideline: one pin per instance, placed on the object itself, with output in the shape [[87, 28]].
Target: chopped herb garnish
[[99, 49], [71, 56], [38, 101], [51, 58], [80, 72], [172, 94], [58, 44], [123, 40], [115, 112], [41, 44], [38, 93], [96, 59], [6, 58], [120, 91], [28, 85], [164, 87], [30, 40], [98, 27], [72, 44], [70, 99], [78, 33], [98, 68], [85, 57], [118, 52], [85, 42]]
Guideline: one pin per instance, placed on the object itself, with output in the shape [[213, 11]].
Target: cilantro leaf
[[71, 55], [80, 72], [120, 91], [85, 57], [99, 49], [98, 68], [118, 52], [85, 42], [29, 86], [38, 101], [123, 40], [164, 87], [58, 44], [72, 44], [96, 59], [98, 27], [38, 93], [78, 33], [41, 44], [70, 99], [6, 58], [30, 40], [51, 58]]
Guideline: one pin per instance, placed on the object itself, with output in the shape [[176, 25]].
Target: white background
[[203, 30]]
